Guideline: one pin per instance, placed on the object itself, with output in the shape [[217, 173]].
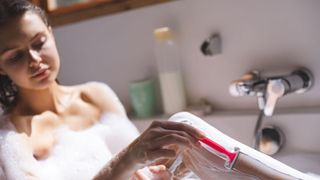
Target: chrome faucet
[[270, 89]]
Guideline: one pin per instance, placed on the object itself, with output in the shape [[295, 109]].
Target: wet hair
[[10, 9]]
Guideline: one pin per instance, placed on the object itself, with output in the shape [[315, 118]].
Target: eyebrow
[[15, 47]]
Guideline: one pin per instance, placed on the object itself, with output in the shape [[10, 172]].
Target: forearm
[[251, 166], [119, 168], [150, 146]]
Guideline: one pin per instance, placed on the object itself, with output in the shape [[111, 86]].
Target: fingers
[[169, 125], [182, 134], [157, 169], [151, 145], [160, 153], [173, 138], [139, 175], [160, 172], [163, 133]]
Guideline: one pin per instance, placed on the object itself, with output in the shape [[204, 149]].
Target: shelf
[[86, 10]]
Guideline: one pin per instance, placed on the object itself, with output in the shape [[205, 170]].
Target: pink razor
[[231, 156]]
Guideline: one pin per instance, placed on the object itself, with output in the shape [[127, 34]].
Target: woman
[[36, 107], [50, 131]]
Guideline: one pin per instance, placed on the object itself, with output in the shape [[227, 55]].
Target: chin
[[44, 83]]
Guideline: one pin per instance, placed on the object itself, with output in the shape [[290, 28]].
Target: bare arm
[[120, 167], [102, 96], [148, 147]]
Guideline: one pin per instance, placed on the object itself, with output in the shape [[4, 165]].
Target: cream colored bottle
[[169, 69]]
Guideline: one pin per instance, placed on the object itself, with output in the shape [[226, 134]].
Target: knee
[[185, 117]]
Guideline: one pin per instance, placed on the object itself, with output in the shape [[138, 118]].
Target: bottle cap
[[163, 33]]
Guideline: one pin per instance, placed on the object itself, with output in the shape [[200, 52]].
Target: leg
[[249, 164]]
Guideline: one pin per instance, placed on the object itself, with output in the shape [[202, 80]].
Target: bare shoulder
[[102, 96]]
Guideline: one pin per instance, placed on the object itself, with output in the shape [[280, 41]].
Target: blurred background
[[274, 37]]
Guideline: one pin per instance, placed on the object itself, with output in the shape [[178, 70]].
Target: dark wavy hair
[[10, 9]]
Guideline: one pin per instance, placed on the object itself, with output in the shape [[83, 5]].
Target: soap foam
[[76, 155]]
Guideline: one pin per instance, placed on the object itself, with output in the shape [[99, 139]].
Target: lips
[[41, 71]]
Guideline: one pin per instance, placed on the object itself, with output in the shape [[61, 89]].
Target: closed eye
[[39, 43], [19, 55]]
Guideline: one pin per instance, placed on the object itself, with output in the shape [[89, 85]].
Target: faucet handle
[[275, 89]]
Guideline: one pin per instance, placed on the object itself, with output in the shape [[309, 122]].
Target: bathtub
[[301, 149]]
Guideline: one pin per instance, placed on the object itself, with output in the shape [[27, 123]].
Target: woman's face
[[28, 54]]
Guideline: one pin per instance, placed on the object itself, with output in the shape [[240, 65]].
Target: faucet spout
[[250, 84]]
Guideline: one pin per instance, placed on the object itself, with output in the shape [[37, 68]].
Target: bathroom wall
[[272, 36]]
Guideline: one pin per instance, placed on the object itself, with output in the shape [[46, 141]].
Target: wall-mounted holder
[[212, 45]]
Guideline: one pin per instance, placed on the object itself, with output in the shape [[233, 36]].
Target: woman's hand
[[158, 172], [153, 143]]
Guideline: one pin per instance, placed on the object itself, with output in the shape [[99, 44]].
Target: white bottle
[[168, 63]]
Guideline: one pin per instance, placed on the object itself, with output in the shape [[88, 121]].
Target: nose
[[35, 58]]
